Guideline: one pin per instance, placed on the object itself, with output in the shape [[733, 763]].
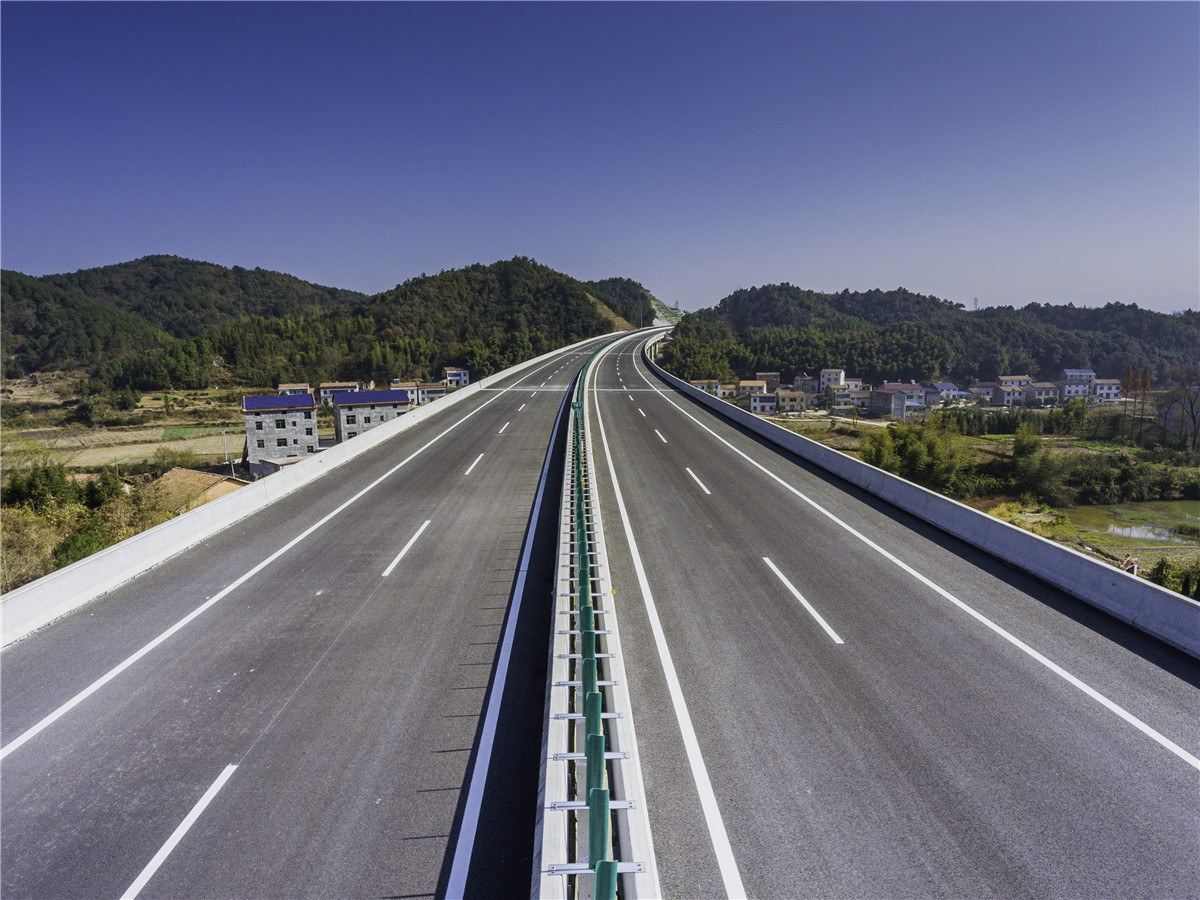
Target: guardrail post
[[596, 745], [591, 713], [598, 825], [606, 880], [589, 676]]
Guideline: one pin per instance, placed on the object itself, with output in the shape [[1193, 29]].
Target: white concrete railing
[[33, 605], [1166, 615]]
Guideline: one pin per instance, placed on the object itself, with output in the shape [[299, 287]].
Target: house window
[[281, 442], [295, 441], [258, 426], [351, 420], [308, 415], [353, 434], [308, 431], [261, 444], [372, 406], [280, 423], [367, 419], [309, 448]]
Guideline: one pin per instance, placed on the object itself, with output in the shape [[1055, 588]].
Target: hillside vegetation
[[163, 323], [898, 335]]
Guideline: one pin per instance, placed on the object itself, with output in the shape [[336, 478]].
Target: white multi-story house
[[753, 386], [1086, 376], [1107, 388], [831, 376], [1014, 380], [1008, 395], [289, 389], [456, 377], [762, 404], [709, 386], [278, 427], [330, 389], [1069, 390], [359, 411], [418, 391]]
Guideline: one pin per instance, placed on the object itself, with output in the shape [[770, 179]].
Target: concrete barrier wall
[[35, 604], [1166, 615]]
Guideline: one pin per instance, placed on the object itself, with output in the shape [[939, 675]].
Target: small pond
[[1153, 521]]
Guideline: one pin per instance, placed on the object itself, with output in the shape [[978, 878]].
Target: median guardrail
[[1164, 614], [593, 833]]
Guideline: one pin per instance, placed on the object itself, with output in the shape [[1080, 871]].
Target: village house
[[727, 391], [419, 392], [330, 389], [1014, 380], [278, 427], [771, 379], [806, 383], [1040, 392], [456, 377], [359, 411], [790, 401], [947, 391], [861, 398], [752, 386], [1008, 395], [286, 390], [888, 400], [831, 376], [1107, 388], [762, 404], [708, 385]]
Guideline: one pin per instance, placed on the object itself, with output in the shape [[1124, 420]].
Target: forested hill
[[142, 324], [900, 335], [185, 298]]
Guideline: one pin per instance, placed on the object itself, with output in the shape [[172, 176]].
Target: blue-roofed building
[[278, 426], [359, 411]]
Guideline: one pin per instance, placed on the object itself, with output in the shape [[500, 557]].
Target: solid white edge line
[[104, 679], [1159, 738], [177, 836], [412, 540], [465, 846], [471, 467], [808, 606], [696, 479], [708, 799]]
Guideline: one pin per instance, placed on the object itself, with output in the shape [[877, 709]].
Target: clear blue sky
[[1010, 152]]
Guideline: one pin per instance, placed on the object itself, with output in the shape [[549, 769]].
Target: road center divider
[[593, 832]]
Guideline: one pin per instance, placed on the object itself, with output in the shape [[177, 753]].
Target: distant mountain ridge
[[166, 322], [901, 335]]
